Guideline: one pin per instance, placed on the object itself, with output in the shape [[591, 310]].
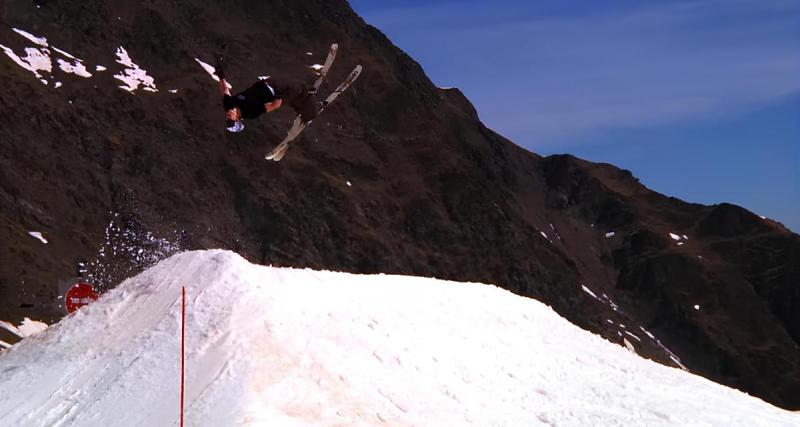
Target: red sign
[[79, 295]]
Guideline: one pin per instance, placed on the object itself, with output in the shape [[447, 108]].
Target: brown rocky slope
[[398, 177]]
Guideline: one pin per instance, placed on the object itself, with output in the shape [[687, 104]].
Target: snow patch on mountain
[[133, 76], [38, 235], [41, 41], [36, 60], [75, 67]]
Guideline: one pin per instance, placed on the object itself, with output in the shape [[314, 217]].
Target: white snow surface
[[610, 234], [283, 347]]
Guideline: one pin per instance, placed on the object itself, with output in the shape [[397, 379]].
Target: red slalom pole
[[183, 328]]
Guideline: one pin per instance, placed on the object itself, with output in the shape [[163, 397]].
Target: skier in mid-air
[[267, 95], [264, 96]]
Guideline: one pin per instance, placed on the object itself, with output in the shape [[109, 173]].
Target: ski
[[298, 125], [326, 66]]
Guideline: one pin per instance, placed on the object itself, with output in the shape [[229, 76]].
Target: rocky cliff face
[[398, 177]]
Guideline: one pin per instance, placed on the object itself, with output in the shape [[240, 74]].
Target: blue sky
[[699, 98]]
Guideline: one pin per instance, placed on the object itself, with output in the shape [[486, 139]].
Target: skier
[[264, 96]]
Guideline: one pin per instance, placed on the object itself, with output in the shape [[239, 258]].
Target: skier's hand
[[274, 105], [220, 67]]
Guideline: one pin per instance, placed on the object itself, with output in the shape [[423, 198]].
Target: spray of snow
[[173, 91], [38, 235], [674, 236], [610, 234], [100, 68], [133, 76], [127, 249], [316, 67], [362, 350]]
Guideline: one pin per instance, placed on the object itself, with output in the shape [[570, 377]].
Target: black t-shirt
[[251, 100]]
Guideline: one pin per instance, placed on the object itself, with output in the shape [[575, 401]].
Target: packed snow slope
[[271, 346]]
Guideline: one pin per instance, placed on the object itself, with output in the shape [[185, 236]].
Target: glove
[[220, 67]]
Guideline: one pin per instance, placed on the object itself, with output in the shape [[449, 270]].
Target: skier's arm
[[223, 87], [274, 105]]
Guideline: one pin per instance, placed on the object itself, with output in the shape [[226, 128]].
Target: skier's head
[[234, 126], [233, 120]]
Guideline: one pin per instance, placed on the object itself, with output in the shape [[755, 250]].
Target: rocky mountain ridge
[[398, 176]]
